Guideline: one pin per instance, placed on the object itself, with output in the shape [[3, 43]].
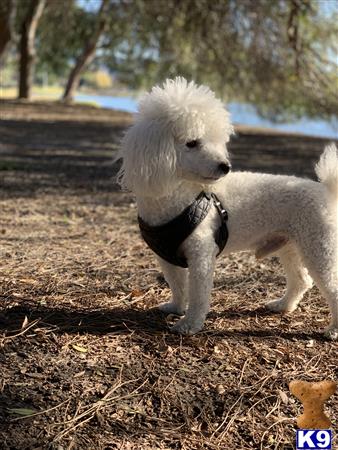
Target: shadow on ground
[[77, 155], [62, 156], [119, 320]]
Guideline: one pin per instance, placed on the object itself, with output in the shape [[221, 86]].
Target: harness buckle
[[221, 211]]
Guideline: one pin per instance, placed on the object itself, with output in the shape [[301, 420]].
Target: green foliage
[[8, 73], [280, 55], [63, 29]]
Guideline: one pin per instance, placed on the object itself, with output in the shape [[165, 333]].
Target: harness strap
[[166, 239], [222, 233]]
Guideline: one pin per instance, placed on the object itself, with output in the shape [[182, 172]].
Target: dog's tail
[[327, 170]]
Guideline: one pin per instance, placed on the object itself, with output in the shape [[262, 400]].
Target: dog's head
[[180, 133]]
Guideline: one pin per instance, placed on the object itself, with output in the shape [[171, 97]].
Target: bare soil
[[86, 360]]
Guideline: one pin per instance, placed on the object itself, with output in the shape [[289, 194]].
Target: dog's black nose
[[224, 168]]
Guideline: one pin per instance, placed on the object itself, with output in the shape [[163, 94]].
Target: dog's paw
[[280, 305], [331, 333], [184, 326], [171, 308]]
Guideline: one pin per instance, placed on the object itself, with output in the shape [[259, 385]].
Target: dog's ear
[[149, 159]]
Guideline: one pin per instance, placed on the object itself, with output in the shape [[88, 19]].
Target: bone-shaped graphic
[[313, 396]]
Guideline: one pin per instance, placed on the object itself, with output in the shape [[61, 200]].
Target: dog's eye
[[192, 144]]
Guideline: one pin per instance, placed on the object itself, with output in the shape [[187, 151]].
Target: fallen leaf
[[24, 323], [21, 411], [284, 397], [99, 418], [80, 349], [310, 343], [79, 374], [185, 369], [271, 439], [28, 280], [136, 293]]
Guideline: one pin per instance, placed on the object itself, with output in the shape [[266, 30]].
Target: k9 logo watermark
[[314, 439]]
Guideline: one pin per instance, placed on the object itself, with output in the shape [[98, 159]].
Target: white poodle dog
[[176, 150]]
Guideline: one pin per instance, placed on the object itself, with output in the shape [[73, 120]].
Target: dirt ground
[[86, 360]]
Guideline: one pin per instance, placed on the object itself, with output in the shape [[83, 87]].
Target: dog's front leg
[[177, 278], [201, 271]]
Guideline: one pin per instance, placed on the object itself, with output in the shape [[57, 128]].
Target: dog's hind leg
[[297, 278], [177, 278], [321, 258]]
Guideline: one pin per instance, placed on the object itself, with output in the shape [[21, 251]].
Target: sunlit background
[[273, 62]]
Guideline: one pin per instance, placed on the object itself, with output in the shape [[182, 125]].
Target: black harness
[[166, 239]]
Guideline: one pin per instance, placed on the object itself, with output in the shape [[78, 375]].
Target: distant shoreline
[[244, 114]]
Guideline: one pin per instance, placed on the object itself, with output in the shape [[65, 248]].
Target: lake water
[[240, 113]]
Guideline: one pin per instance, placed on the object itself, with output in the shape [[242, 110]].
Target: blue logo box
[[314, 440]]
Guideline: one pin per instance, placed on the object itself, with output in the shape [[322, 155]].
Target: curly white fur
[[292, 217]]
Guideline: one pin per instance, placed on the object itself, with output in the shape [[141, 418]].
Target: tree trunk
[[27, 47], [87, 54], [7, 33]]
